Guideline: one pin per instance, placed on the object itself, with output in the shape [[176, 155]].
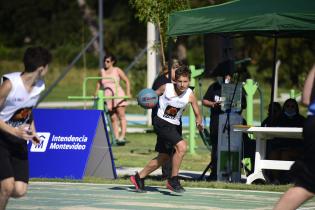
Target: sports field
[[79, 196]]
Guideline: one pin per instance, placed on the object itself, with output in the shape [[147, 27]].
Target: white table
[[262, 134]]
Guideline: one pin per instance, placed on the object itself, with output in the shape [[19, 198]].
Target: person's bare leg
[[121, 112], [114, 120], [20, 189], [293, 198], [178, 156], [154, 164], [6, 189]]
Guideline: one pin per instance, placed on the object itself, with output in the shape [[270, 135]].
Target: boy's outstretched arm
[[160, 90], [194, 104]]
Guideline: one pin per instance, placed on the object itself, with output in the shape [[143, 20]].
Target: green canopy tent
[[265, 17], [272, 18]]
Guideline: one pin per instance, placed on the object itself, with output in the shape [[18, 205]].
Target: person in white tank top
[[170, 144], [19, 92]]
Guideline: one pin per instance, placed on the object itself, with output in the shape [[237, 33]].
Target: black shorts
[[303, 170], [168, 135], [13, 160]]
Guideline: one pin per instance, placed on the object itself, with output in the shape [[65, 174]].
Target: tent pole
[[272, 97]]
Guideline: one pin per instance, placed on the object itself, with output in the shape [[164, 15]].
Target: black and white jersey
[[18, 104], [171, 105]]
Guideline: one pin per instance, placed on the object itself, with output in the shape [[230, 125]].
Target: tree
[[90, 18], [157, 12], [46, 22]]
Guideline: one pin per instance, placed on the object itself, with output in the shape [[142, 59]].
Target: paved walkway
[[82, 196]]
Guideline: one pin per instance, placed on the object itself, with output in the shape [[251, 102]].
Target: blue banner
[[66, 142]]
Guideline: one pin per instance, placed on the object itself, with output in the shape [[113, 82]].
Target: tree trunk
[[162, 55], [90, 19]]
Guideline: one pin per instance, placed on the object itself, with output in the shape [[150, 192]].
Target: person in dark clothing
[[249, 149], [303, 170], [212, 99], [162, 79], [287, 149], [272, 121], [291, 117]]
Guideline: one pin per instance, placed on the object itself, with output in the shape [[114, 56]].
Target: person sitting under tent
[[272, 120], [288, 149]]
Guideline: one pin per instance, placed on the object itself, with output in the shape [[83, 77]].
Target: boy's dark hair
[[35, 57], [182, 71], [111, 56]]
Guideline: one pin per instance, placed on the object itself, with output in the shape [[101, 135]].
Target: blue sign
[[67, 145]]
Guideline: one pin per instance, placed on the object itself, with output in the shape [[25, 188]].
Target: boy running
[[172, 102], [19, 92]]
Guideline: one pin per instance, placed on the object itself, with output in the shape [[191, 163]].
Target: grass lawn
[[139, 149]]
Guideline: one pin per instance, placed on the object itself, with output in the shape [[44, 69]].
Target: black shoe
[[173, 184], [137, 182], [212, 177]]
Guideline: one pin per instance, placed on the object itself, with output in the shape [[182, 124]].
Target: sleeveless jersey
[[19, 102], [171, 106]]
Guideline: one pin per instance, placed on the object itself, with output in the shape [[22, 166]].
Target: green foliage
[[296, 56], [59, 26], [157, 12], [7, 53], [50, 23], [195, 54], [297, 64], [138, 80], [124, 36]]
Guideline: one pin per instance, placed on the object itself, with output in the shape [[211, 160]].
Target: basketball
[[147, 98]]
